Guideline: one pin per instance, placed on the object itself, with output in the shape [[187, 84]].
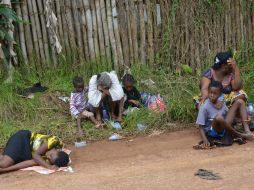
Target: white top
[[116, 90]]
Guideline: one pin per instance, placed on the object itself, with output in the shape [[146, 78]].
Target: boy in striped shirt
[[79, 106]]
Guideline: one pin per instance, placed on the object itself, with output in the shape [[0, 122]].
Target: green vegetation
[[45, 113]]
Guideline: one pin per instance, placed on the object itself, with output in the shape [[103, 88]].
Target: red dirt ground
[[166, 161]]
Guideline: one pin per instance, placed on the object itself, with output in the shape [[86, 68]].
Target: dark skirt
[[18, 146]]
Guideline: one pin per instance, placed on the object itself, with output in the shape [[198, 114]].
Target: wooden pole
[[28, 34], [95, 32], [123, 30], [70, 26], [142, 32], [89, 23], [133, 24], [105, 28], [39, 33], [34, 32], [76, 19], [117, 35], [43, 30], [100, 28], [84, 31], [64, 26], [150, 50], [112, 36], [21, 33], [130, 37], [60, 22]]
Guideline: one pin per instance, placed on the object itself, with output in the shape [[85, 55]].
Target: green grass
[[43, 115]]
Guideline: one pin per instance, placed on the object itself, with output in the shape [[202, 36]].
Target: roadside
[[165, 161]]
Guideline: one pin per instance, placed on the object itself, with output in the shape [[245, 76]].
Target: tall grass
[[41, 115]]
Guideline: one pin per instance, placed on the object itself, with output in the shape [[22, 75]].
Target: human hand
[[132, 101], [103, 90], [205, 144], [201, 102], [231, 62]]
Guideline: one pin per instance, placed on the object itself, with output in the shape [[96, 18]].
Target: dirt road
[[166, 161]]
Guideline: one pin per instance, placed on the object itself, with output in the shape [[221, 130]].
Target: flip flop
[[199, 147]]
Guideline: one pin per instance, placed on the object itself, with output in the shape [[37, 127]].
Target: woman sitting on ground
[[227, 72], [105, 90], [25, 149]]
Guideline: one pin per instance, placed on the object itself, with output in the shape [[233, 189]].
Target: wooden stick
[[34, 32], [43, 30], [28, 34], [60, 23], [150, 50], [123, 30], [117, 35], [84, 31], [89, 23], [105, 29], [64, 26], [133, 24], [112, 36], [75, 10], [95, 32], [70, 26], [100, 28], [128, 12], [21, 33], [142, 32], [39, 33]]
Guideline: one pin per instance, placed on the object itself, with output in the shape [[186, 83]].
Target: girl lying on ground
[[25, 149]]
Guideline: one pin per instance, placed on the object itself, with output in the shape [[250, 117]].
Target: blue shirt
[[208, 112]]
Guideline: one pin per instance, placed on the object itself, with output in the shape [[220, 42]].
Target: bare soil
[[165, 161]]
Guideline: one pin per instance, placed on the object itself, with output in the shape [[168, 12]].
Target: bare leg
[[21, 165], [219, 123], [120, 114], [79, 130], [6, 161], [112, 109], [239, 105], [98, 114]]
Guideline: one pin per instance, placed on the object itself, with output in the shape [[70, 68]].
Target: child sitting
[[213, 117], [132, 94], [79, 107]]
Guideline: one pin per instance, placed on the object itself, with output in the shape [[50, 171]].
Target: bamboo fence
[[125, 32]]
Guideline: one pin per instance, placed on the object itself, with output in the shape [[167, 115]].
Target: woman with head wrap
[[227, 72], [105, 87]]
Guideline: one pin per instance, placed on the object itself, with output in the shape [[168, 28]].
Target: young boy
[[212, 120], [131, 92], [79, 106]]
